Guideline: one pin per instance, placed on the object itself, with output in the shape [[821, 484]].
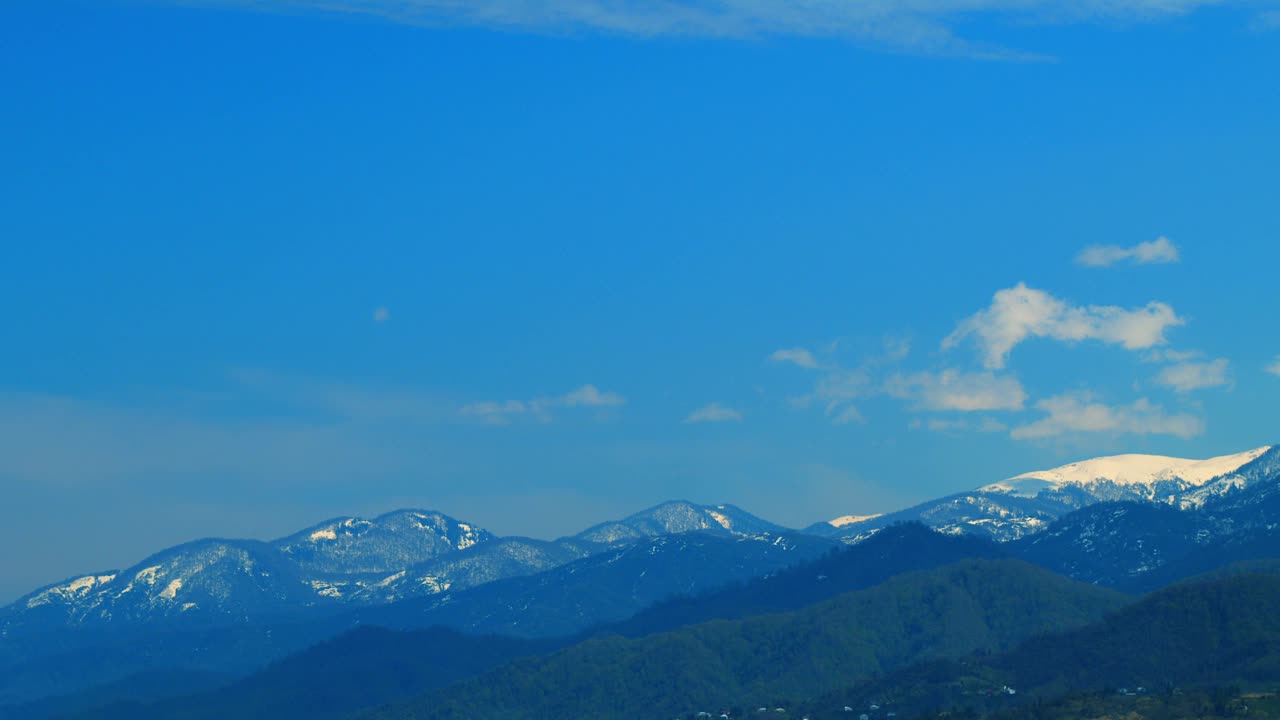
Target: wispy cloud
[[714, 413], [1020, 312], [796, 356], [1160, 251], [381, 315], [589, 396], [845, 415], [1080, 413], [837, 390], [1165, 355], [495, 413], [1188, 376], [356, 402], [837, 387], [503, 412], [954, 425], [925, 26], [952, 390], [1274, 367]]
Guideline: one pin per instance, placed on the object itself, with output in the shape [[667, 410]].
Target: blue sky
[[540, 264]]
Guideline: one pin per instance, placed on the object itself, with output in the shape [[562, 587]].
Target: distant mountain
[[387, 543], [1143, 546], [334, 566], [1179, 482], [1117, 544], [227, 606], [252, 603], [355, 563], [201, 582], [365, 667], [945, 612], [679, 517], [281, 691], [605, 587], [1114, 537], [1026, 504]]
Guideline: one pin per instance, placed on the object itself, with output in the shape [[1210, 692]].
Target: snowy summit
[[1126, 470]]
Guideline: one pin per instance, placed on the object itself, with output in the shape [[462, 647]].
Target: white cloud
[[917, 25], [1188, 376], [985, 425], [1171, 356], [796, 355], [1020, 312], [495, 413], [503, 412], [590, 396], [1156, 252], [845, 415], [1274, 368], [381, 315], [837, 390], [1075, 413], [954, 390], [839, 386], [991, 425], [714, 412]]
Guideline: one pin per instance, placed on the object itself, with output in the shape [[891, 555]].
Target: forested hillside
[[947, 612]]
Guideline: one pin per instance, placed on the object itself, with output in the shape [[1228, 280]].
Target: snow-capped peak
[[1126, 470], [847, 520]]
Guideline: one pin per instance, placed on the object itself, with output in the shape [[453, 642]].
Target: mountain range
[[353, 562], [1025, 504], [339, 564], [212, 610]]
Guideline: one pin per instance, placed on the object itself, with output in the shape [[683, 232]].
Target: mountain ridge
[[339, 562], [349, 561], [1025, 504]]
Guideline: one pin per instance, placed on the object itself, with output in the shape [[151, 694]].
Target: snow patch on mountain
[[847, 520], [70, 591], [171, 590], [721, 518]]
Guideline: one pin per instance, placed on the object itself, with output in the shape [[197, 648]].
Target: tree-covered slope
[[366, 667], [1216, 631], [946, 612], [895, 550]]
